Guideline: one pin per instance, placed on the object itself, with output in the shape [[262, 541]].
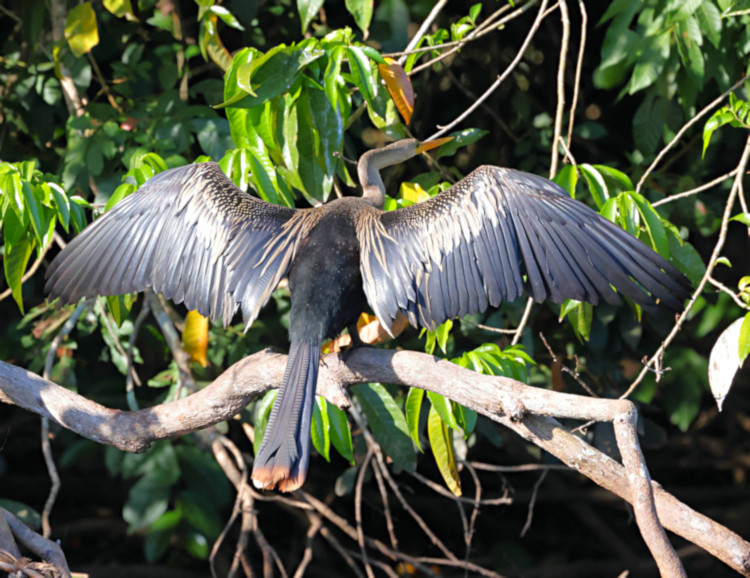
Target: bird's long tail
[[285, 451]]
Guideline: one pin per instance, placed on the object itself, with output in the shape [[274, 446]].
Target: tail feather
[[285, 451]]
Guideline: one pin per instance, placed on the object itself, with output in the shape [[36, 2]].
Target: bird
[[497, 234]]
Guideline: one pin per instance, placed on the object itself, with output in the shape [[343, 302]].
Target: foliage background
[[149, 91]]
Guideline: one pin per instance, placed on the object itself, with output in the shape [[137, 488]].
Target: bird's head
[[370, 164]]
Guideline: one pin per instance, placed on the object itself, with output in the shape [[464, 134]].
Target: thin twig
[[375, 448], [737, 188], [524, 319], [500, 79], [104, 316], [696, 190], [574, 373], [49, 459], [174, 342], [721, 287], [532, 502], [129, 385], [333, 541], [358, 512], [560, 109], [469, 534], [484, 28], [704, 111], [439, 5], [577, 81]]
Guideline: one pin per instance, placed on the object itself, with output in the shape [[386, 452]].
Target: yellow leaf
[[399, 86], [215, 47], [413, 192], [370, 331], [81, 31], [442, 449], [121, 9], [195, 337]]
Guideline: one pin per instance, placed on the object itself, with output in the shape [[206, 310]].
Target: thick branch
[[248, 378]]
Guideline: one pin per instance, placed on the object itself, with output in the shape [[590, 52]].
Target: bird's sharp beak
[[432, 144]]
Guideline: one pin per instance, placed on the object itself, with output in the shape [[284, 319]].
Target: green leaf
[[34, 209], [709, 19], [333, 74], [148, 499], [595, 183], [412, 409], [362, 73], [320, 135], [253, 78], [61, 202], [308, 9], [466, 418], [650, 64], [444, 409], [647, 124], [201, 512], [686, 259], [81, 30], [320, 427], [580, 316], [743, 346], [460, 139], [262, 413], [387, 424], [341, 433], [743, 218], [361, 11], [654, 226], [442, 449], [119, 306], [567, 178], [14, 263], [226, 16], [611, 176]]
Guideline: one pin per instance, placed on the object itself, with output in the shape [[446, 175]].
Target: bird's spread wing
[[495, 235], [190, 234]]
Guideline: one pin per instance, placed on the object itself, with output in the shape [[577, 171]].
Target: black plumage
[[190, 234]]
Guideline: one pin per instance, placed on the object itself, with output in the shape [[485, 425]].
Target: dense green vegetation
[[97, 97]]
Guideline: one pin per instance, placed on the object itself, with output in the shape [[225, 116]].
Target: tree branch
[[523, 409]]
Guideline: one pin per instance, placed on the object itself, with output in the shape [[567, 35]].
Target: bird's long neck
[[368, 171], [370, 163]]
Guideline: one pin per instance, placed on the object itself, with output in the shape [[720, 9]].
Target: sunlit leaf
[[340, 432], [361, 11], [413, 409], [399, 86], [319, 429], [14, 263], [121, 9], [195, 337], [727, 356], [81, 30], [443, 406], [442, 449], [308, 9]]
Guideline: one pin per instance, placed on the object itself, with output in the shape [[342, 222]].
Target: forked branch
[[528, 411]]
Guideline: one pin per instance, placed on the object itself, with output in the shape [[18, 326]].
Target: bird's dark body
[[192, 235], [325, 282]]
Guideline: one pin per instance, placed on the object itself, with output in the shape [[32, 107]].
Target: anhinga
[[192, 235]]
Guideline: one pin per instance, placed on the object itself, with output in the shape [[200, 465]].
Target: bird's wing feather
[[498, 234], [190, 234]]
